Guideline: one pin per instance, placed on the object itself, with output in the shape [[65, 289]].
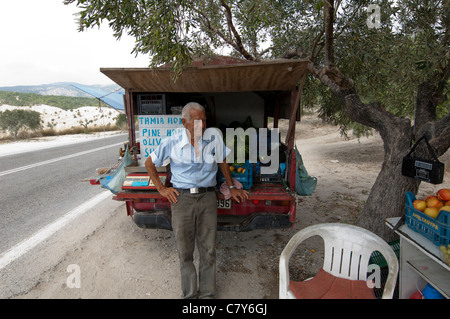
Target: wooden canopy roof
[[239, 76]]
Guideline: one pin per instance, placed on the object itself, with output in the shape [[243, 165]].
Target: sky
[[40, 44]]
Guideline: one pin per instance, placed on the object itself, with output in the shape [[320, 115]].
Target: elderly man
[[193, 164]]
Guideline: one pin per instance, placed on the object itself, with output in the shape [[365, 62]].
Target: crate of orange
[[430, 216], [243, 173]]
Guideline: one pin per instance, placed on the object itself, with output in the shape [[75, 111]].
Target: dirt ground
[[120, 260]]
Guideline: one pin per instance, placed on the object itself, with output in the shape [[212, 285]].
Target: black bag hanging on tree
[[430, 171]]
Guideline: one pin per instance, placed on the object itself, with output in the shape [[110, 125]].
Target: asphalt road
[[38, 187]]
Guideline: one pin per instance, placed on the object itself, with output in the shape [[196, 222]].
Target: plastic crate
[[378, 259], [272, 178], [245, 177], [436, 229]]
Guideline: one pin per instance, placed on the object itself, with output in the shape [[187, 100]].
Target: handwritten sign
[[154, 128]]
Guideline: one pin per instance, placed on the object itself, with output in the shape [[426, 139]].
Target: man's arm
[[168, 192], [237, 194]]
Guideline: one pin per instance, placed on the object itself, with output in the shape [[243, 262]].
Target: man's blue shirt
[[188, 170]]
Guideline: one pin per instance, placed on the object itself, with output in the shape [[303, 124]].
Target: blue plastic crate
[[435, 229], [245, 178]]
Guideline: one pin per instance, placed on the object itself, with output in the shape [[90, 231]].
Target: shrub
[[16, 120]]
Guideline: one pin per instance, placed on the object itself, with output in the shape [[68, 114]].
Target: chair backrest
[[347, 251]]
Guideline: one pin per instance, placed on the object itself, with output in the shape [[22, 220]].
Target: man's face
[[197, 123]]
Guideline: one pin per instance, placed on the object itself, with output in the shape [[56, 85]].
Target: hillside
[[58, 88], [59, 113], [60, 120], [32, 99]]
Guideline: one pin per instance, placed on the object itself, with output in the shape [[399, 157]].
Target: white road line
[[22, 168], [26, 245]]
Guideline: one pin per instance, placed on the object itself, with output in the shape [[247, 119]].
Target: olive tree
[[16, 120]]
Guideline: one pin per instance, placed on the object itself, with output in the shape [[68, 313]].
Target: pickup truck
[[243, 96]]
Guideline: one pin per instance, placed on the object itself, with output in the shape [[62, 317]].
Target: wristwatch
[[232, 186]]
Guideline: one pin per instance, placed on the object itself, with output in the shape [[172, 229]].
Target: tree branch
[[239, 45], [331, 77], [264, 52], [329, 37], [438, 134], [429, 95], [337, 34], [292, 53], [207, 23], [372, 115], [316, 42]]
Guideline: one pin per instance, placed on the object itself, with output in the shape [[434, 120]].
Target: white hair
[[186, 112]]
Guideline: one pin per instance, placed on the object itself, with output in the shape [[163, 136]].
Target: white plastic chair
[[347, 253]]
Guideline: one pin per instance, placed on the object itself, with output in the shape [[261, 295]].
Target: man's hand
[[170, 193], [239, 195]]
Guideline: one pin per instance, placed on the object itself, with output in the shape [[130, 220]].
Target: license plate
[[224, 203]]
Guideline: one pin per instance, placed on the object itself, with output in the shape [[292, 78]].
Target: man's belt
[[195, 190]]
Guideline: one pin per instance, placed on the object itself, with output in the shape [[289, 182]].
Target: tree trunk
[[387, 196], [329, 25], [386, 199]]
